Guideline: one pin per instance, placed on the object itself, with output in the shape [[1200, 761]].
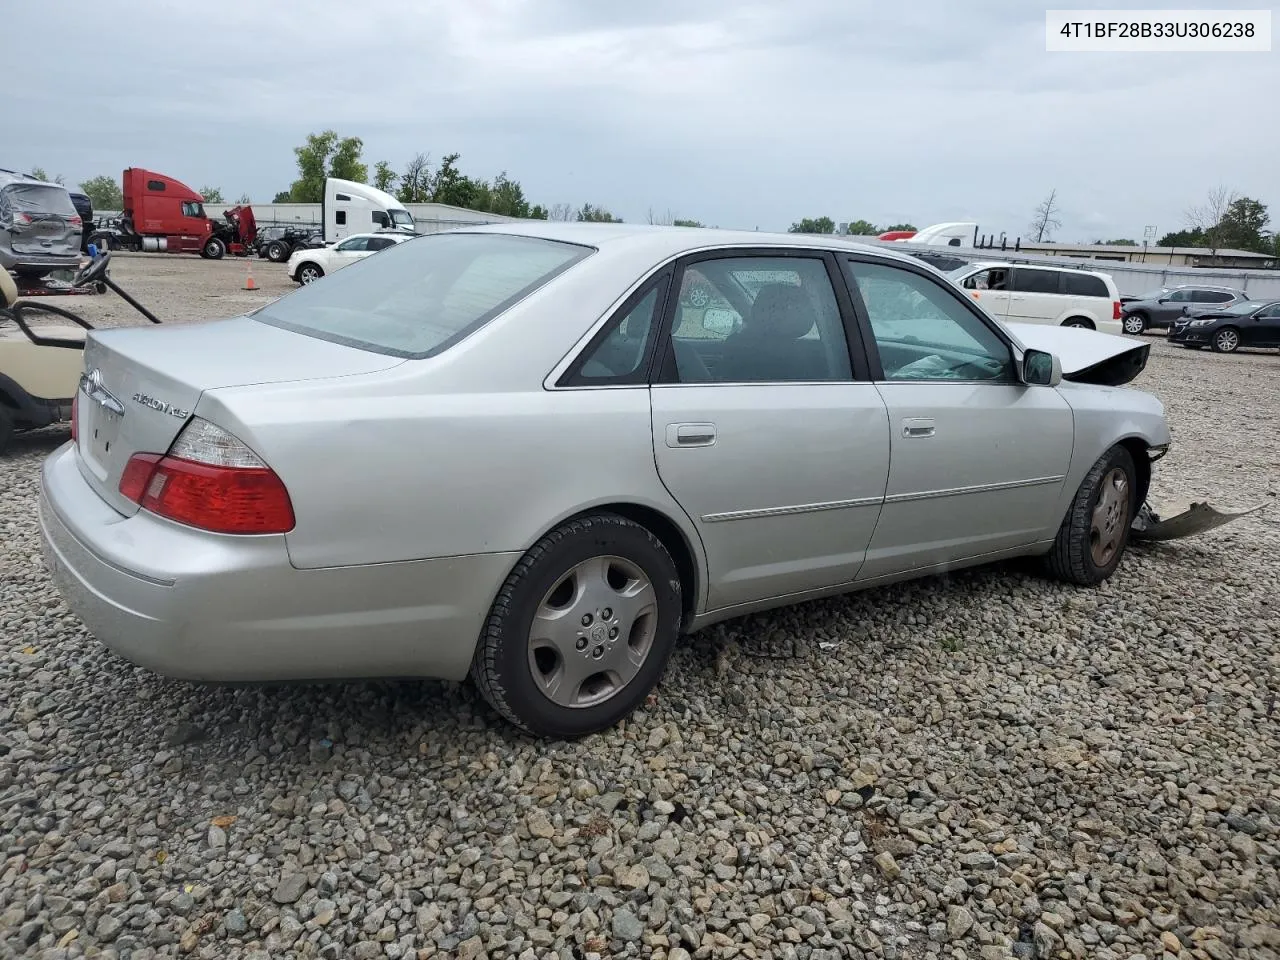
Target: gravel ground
[[979, 766]]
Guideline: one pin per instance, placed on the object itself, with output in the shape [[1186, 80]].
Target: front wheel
[[581, 630], [309, 273], [1134, 324], [1226, 340], [1095, 531], [214, 249]]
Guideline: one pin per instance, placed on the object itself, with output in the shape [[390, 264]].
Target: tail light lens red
[[1115, 310], [212, 481]]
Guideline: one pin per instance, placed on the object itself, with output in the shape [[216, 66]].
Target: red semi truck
[[164, 215]]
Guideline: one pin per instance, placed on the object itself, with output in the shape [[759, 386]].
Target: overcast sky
[[734, 112]]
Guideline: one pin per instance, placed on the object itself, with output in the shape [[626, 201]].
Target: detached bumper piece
[[1198, 518]]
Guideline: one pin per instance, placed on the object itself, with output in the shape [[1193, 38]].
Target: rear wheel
[[309, 273], [1135, 323], [277, 252], [214, 249], [1081, 322], [581, 630], [1095, 531], [1226, 340]]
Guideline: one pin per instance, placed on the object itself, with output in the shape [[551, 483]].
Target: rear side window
[[1034, 281], [1084, 285], [1212, 296], [425, 294]]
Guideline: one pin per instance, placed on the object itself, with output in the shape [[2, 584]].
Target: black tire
[[214, 249], [277, 252], [1142, 324], [1071, 557], [309, 270], [6, 428], [501, 668], [1226, 340], [1083, 323]]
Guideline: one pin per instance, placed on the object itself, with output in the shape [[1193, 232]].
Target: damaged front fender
[[1198, 518]]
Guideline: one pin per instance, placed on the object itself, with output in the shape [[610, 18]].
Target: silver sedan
[[538, 453]]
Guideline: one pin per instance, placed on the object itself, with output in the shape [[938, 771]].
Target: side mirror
[[1041, 369]]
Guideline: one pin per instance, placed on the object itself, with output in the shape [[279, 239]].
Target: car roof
[[984, 264], [663, 241]]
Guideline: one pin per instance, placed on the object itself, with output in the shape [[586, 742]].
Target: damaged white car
[[515, 452]]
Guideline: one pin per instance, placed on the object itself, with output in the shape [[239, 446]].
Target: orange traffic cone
[[248, 282]]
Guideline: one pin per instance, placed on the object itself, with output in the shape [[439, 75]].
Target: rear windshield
[[36, 198], [418, 298]]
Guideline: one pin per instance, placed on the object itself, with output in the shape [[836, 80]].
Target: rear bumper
[[208, 607], [39, 262]]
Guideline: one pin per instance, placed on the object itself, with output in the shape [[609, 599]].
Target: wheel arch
[[686, 555], [1138, 447], [1077, 315]]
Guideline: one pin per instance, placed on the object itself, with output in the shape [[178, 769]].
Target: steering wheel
[[94, 270]]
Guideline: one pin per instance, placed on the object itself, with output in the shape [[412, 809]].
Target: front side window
[[422, 296], [762, 320], [997, 278], [1270, 313], [922, 332], [353, 245], [380, 218], [191, 208]]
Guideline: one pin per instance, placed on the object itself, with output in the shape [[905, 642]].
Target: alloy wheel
[[593, 631]]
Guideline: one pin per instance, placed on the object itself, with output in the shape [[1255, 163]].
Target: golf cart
[[40, 371]]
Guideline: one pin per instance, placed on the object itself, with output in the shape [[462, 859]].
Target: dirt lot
[[980, 766], [181, 288]]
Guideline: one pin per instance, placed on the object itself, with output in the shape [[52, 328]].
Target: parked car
[[1250, 323], [1038, 294], [40, 230], [511, 452], [310, 264], [84, 207], [1157, 309]]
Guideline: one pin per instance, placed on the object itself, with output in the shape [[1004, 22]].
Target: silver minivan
[[40, 229]]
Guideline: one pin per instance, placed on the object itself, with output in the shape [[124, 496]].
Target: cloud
[[736, 113]]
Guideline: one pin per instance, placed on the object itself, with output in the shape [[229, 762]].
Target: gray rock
[[626, 926], [290, 888]]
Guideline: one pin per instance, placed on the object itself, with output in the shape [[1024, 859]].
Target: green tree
[[244, 198], [1244, 226], [861, 228], [588, 213], [813, 225], [384, 178], [211, 195], [326, 155], [1122, 242], [284, 196], [450, 185], [506, 197], [678, 222], [899, 226], [1182, 238], [104, 192], [415, 182]]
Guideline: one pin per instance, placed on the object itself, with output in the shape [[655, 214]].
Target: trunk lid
[[40, 217], [1087, 356], [141, 384]]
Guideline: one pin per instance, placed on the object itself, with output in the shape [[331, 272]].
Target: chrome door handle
[[917, 427], [691, 434]]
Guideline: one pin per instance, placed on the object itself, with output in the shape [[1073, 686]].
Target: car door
[[1033, 295], [1263, 329], [1169, 308], [990, 288], [765, 428], [977, 458]]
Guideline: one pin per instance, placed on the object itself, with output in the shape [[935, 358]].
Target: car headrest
[[782, 310]]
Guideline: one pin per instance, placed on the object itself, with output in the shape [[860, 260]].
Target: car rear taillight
[[1115, 310], [75, 221], [21, 217], [209, 480]]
